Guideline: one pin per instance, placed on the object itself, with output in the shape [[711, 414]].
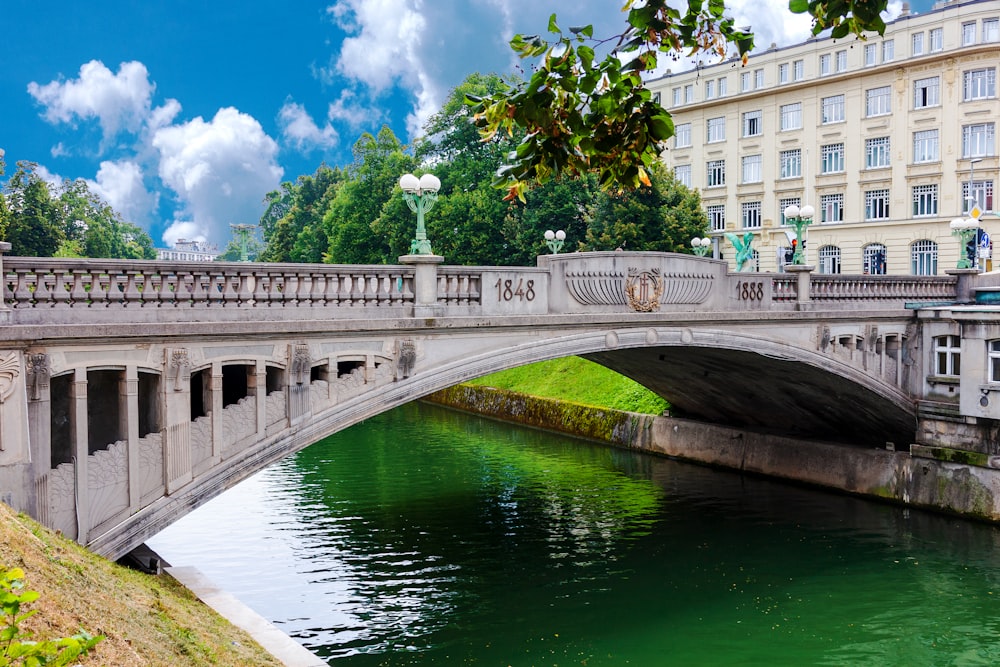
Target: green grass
[[580, 381]]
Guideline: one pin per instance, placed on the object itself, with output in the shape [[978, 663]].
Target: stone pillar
[[257, 387], [175, 402], [964, 291], [130, 430], [215, 390], [39, 431], [81, 446], [424, 284], [297, 385], [802, 272]]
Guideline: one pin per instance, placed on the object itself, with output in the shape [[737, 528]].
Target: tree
[[292, 224], [663, 217], [582, 114], [33, 224]]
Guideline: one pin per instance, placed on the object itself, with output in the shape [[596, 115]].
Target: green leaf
[[798, 6], [553, 27]]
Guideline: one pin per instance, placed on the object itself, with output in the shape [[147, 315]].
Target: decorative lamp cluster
[[420, 195], [555, 240]]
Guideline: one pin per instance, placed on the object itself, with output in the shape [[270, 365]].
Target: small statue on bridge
[[744, 250]]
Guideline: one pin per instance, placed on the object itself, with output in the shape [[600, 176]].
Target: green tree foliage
[[663, 217], [67, 221], [350, 222], [292, 223], [580, 113]]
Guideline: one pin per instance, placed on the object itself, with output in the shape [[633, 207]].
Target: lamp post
[[971, 197], [420, 195], [966, 230], [555, 240], [800, 219], [701, 246]]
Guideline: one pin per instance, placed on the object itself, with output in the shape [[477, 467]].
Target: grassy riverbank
[[148, 621], [577, 380]]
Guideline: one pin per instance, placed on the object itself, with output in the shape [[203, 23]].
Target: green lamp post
[[966, 229], [701, 246], [800, 219], [555, 240], [420, 195]]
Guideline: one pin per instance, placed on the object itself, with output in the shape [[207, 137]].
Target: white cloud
[[300, 130], [220, 171], [348, 110], [184, 230], [119, 102], [121, 185]]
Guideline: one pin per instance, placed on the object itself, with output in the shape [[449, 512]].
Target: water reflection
[[429, 537]]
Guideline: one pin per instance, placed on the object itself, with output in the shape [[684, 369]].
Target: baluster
[[78, 294], [228, 289], [26, 292], [317, 289], [334, 286], [132, 296], [261, 289], [60, 290], [355, 296], [215, 286]]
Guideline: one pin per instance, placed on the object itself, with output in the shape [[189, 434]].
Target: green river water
[[430, 537]]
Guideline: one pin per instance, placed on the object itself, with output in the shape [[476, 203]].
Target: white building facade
[[889, 139]]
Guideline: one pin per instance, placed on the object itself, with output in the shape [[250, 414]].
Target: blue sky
[[184, 114]]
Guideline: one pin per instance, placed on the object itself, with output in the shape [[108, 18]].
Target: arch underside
[[741, 388]]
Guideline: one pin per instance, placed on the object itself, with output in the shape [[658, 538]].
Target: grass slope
[[577, 380], [148, 621]]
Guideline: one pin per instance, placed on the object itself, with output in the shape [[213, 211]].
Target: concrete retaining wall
[[895, 476]]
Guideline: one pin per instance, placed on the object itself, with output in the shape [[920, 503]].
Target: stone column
[[802, 272], [425, 302], [257, 387], [130, 430], [81, 445], [175, 399], [215, 391], [39, 431]]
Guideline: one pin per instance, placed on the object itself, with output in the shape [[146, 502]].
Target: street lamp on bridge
[[555, 240], [800, 219], [967, 231], [701, 246], [420, 195]]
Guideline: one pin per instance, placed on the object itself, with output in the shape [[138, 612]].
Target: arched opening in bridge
[[60, 423], [320, 372], [274, 380], [150, 415], [347, 367], [235, 383], [200, 399], [106, 414]]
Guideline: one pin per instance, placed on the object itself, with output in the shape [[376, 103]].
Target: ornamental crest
[[643, 289]]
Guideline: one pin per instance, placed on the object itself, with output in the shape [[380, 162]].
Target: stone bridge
[[133, 392]]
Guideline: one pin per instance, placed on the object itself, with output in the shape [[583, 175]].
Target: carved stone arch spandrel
[[10, 371], [38, 375]]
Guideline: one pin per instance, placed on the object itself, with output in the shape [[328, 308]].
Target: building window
[[677, 97], [829, 259], [874, 258], [752, 123], [877, 205], [917, 43], [791, 116], [877, 101], [751, 214], [833, 109], [682, 173], [888, 50], [716, 129], [717, 217], [877, 153], [831, 208], [841, 61], [722, 86], [824, 64], [791, 164], [798, 70], [716, 175], [937, 39], [745, 82], [785, 203], [977, 140], [947, 355], [979, 193], [994, 353], [871, 57], [969, 33], [925, 146], [991, 30], [688, 94], [925, 200], [783, 73], [926, 92], [979, 84], [751, 169], [682, 135], [709, 89], [923, 258], [758, 78], [832, 156]]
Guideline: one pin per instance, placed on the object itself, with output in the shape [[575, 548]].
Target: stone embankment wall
[[896, 476]]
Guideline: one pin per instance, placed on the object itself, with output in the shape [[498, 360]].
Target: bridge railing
[[40, 291], [851, 288]]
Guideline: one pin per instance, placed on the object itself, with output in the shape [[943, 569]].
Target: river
[[430, 537]]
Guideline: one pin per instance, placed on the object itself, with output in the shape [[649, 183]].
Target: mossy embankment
[[148, 621], [570, 395]]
